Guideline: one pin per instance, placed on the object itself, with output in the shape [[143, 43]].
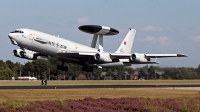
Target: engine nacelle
[[139, 57], [16, 52], [25, 54], [104, 57]]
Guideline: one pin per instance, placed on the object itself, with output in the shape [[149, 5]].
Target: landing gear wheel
[[62, 68], [58, 67], [87, 69], [90, 69], [84, 68], [66, 68]]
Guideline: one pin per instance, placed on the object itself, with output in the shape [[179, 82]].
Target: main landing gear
[[62, 67], [87, 69]]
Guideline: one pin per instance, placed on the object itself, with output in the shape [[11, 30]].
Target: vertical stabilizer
[[127, 43]]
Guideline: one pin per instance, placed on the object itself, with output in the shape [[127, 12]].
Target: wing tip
[[182, 55]]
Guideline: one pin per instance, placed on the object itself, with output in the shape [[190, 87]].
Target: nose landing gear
[[87, 69], [62, 67]]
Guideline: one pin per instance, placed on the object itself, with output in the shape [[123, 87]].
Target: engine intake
[[16, 52], [133, 57], [103, 57], [97, 56], [139, 57], [22, 53]]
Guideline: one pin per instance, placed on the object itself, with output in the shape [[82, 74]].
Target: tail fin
[[127, 43]]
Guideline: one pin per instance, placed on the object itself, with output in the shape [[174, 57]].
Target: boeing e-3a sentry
[[34, 43]]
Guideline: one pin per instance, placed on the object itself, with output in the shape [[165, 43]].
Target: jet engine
[[27, 54], [103, 57], [16, 52], [139, 57]]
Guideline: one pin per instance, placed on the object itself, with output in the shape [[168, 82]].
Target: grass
[[12, 103], [19, 98], [75, 94], [98, 82], [13, 99]]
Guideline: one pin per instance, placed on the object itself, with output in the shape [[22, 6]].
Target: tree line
[[177, 73], [43, 68]]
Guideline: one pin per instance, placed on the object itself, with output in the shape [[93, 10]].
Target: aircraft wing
[[121, 55], [138, 58], [115, 55], [164, 55]]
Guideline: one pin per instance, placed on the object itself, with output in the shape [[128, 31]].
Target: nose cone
[[13, 41], [10, 35]]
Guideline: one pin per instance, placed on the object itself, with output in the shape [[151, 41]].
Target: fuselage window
[[23, 36], [65, 47], [57, 44], [62, 46], [49, 43], [53, 43]]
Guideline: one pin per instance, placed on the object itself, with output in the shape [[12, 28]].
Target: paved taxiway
[[99, 86]]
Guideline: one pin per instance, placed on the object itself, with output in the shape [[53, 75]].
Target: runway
[[98, 86]]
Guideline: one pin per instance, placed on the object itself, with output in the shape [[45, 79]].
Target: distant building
[[104, 77], [136, 74], [156, 75], [148, 76], [81, 77], [61, 77], [26, 78]]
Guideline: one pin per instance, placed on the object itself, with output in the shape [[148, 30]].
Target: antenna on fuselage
[[98, 31]]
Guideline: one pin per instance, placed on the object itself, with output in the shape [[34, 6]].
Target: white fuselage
[[45, 43], [50, 45]]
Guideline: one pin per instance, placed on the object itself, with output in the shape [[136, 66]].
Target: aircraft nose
[[10, 35], [12, 38]]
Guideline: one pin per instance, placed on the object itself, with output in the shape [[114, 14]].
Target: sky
[[163, 26]]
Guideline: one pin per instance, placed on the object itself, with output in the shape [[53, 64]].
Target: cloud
[[161, 41], [83, 20], [151, 28], [61, 24], [150, 38], [196, 38], [165, 41]]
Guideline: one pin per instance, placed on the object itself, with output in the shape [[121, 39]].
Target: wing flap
[[119, 56], [148, 62], [75, 53]]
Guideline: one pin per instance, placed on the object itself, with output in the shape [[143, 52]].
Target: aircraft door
[[31, 36], [57, 45]]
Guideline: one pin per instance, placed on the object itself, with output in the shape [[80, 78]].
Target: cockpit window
[[17, 31]]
